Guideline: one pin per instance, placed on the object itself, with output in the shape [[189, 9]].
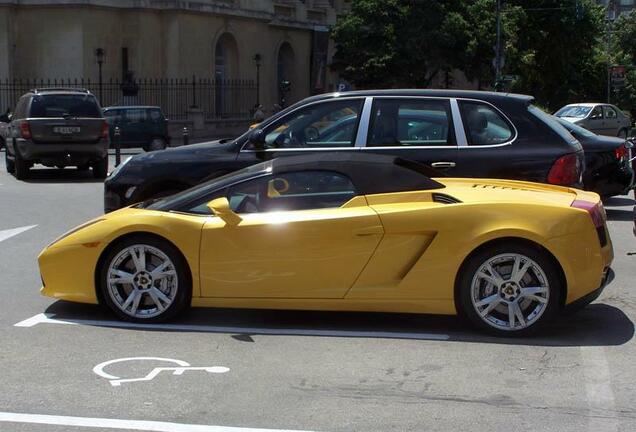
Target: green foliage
[[624, 53], [555, 47]]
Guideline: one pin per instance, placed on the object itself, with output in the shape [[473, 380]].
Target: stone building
[[167, 39]]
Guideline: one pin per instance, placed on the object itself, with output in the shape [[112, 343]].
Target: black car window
[[597, 113], [60, 105], [155, 115], [404, 122], [483, 124], [610, 113], [302, 190], [137, 115], [322, 125]]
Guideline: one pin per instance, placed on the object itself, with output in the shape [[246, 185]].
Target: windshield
[[572, 128], [61, 105], [174, 201], [576, 111]]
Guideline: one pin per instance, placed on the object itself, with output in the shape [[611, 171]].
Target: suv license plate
[[66, 130]]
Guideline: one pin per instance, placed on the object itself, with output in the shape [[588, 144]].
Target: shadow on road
[[597, 325], [66, 175], [619, 215], [618, 201]]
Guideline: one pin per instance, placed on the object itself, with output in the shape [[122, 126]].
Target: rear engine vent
[[444, 199], [489, 186]]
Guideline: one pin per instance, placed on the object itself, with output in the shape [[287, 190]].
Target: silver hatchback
[[602, 119]]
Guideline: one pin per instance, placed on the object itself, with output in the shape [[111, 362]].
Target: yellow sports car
[[343, 231]]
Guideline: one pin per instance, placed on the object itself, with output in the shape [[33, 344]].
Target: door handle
[[370, 230], [442, 165]]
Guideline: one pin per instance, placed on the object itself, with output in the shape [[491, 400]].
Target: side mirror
[[257, 138], [221, 208]]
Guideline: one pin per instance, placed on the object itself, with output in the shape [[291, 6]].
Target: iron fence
[[217, 98]]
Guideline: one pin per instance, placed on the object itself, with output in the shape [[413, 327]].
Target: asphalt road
[[295, 371]]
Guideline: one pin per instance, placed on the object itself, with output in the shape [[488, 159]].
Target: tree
[[393, 43], [558, 52], [624, 53]]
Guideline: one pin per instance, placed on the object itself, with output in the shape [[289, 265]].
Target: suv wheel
[[100, 168], [156, 144], [21, 167], [10, 164]]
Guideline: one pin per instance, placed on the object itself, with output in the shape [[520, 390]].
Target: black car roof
[[468, 94], [369, 173]]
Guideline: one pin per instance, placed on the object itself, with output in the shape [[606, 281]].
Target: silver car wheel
[[142, 281], [510, 292]]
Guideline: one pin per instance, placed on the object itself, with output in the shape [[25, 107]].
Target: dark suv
[[140, 126], [57, 127]]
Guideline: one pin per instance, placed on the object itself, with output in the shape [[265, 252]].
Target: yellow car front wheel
[[509, 289], [145, 279]]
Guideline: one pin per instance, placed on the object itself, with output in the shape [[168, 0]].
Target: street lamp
[[257, 62], [99, 54]]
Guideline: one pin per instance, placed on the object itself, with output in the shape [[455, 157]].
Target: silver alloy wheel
[[510, 291], [142, 281]]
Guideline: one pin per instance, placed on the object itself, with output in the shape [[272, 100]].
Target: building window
[[286, 60], [225, 68]]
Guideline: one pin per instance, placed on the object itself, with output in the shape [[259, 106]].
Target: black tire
[[183, 295], [100, 168], [156, 144], [9, 163], [21, 167], [472, 266]]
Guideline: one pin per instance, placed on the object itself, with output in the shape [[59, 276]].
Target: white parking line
[[598, 388], [5, 234], [138, 425], [49, 319]]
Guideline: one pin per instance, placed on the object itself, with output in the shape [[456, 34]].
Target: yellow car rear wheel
[[509, 289], [144, 278]]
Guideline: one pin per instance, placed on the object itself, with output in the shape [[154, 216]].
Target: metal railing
[[217, 98]]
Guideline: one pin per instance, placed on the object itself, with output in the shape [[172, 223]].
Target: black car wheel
[[100, 168], [156, 144], [21, 167], [9, 163], [509, 290], [145, 279]]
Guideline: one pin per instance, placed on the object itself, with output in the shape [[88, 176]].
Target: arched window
[[225, 68], [286, 72]]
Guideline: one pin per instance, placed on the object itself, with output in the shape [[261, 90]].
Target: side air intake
[[444, 199]]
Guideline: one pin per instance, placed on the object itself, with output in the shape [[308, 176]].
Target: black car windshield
[[177, 200], [576, 129], [61, 105], [576, 111]]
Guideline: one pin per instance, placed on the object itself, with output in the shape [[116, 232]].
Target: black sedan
[[608, 170], [460, 133]]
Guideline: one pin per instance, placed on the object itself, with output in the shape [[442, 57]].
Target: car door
[[596, 121], [330, 125], [415, 128], [302, 235], [612, 121]]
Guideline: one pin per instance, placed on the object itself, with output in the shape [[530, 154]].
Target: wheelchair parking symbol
[[180, 368]]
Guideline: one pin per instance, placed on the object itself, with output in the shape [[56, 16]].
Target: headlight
[[74, 230], [114, 172]]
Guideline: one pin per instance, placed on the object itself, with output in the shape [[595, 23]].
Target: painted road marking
[[6, 234], [182, 367], [49, 319], [598, 389], [137, 425]]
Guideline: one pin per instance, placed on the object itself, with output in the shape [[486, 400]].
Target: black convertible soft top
[[369, 173]]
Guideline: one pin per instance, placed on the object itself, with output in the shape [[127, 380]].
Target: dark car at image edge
[[459, 133]]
